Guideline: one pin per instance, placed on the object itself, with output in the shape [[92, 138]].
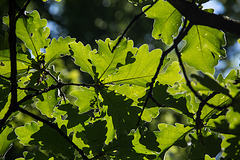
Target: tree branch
[[7, 78], [21, 12], [198, 120], [179, 38], [59, 85], [199, 17]]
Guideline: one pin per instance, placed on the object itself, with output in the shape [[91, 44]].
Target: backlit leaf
[[169, 135], [171, 75], [47, 101], [204, 48], [23, 61], [85, 99], [33, 31], [4, 140], [211, 84], [141, 148], [167, 21], [139, 72], [25, 132], [82, 57], [57, 48], [105, 61]]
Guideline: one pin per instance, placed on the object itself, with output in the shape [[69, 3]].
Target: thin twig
[[188, 82], [131, 23], [198, 120], [21, 12], [52, 87], [181, 35], [56, 80], [29, 89], [7, 78], [78, 84]]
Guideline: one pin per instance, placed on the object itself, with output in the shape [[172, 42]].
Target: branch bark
[[13, 54], [199, 17]]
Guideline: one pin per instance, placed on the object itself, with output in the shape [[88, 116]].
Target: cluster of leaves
[[109, 118]]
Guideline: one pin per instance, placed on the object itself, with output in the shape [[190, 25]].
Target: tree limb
[[199, 17]]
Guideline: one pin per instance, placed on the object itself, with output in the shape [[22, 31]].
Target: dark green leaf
[[205, 146], [5, 141], [124, 115], [211, 84]]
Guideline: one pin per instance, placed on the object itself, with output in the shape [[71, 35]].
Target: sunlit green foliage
[[101, 117]]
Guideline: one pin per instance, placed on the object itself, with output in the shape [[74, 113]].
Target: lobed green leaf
[[167, 21], [57, 48], [140, 72], [32, 31], [204, 48]]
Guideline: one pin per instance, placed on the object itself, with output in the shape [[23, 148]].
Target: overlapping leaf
[[82, 56], [57, 48], [167, 21], [171, 75], [141, 71], [211, 84], [5, 98], [163, 98], [47, 101], [124, 115], [32, 31], [23, 60], [151, 142], [4, 140], [95, 141], [204, 48], [85, 99], [199, 149], [231, 146], [25, 132], [32, 134], [169, 135], [105, 61], [166, 137]]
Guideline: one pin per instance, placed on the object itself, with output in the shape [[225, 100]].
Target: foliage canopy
[[111, 116]]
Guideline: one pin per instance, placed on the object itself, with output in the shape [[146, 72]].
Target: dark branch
[[7, 78], [52, 87], [21, 12], [199, 17], [12, 45], [56, 80], [188, 82], [199, 122], [181, 35]]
